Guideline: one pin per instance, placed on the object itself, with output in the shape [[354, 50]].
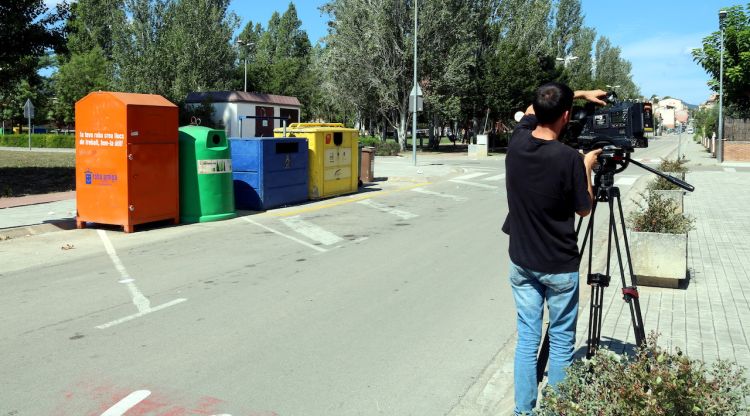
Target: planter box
[[675, 195], [658, 259]]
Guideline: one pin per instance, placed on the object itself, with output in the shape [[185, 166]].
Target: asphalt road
[[390, 302]]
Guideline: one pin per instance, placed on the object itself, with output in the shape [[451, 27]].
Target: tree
[[198, 35], [736, 60], [279, 61], [568, 21], [580, 71], [370, 46], [612, 69], [27, 29], [83, 73]]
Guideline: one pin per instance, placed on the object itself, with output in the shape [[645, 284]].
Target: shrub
[[387, 148], [669, 166], [656, 381], [657, 214], [369, 141], [39, 140]]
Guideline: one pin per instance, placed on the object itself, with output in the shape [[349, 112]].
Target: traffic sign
[[28, 109]]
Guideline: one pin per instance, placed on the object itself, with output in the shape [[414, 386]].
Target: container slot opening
[[338, 138], [289, 147], [215, 139]]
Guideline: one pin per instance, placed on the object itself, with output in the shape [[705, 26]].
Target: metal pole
[[414, 115], [245, 73], [720, 144], [679, 143], [29, 132]]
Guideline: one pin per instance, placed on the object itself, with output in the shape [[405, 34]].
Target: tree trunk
[[402, 130]]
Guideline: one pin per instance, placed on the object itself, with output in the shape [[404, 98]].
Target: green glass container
[[206, 188]]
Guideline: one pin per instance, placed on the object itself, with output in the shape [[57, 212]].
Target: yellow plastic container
[[332, 153]]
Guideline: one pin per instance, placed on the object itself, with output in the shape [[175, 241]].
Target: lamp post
[[720, 145], [248, 44], [566, 60], [416, 88]]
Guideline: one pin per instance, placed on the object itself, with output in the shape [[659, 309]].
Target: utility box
[[268, 172], [332, 157], [367, 165], [206, 192], [126, 159]]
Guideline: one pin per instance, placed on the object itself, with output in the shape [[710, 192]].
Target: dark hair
[[551, 101]]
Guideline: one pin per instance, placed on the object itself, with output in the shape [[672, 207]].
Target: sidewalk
[[709, 318]]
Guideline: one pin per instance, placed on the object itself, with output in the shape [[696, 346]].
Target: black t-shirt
[[546, 184]]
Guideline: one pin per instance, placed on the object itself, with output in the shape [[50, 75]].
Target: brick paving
[[708, 317]]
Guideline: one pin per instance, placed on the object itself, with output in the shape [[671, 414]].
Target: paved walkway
[[709, 316]]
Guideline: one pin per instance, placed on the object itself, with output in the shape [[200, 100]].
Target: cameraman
[[547, 184]]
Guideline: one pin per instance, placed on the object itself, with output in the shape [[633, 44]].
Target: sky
[[656, 36]]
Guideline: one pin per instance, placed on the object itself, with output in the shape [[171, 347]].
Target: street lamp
[[416, 90], [720, 145], [249, 45], [566, 60]]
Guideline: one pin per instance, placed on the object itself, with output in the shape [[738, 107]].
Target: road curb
[[37, 229]]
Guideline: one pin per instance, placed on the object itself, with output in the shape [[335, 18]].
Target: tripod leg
[[630, 293], [595, 320]]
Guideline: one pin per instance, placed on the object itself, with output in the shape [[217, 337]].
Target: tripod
[[611, 161]]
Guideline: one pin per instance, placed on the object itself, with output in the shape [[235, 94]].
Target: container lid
[[314, 127], [128, 98]]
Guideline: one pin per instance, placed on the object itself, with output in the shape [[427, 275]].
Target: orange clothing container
[[127, 169]]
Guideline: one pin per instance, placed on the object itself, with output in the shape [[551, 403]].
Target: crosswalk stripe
[[478, 185], [495, 178], [404, 215], [470, 176], [440, 194], [311, 231]]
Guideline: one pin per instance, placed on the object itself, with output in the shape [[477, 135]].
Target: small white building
[[232, 108]]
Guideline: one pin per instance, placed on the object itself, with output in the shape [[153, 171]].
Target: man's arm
[[595, 96], [589, 162]]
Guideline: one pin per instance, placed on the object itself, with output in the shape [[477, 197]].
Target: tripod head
[[615, 159]]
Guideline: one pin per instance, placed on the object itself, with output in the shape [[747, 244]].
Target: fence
[[737, 130]]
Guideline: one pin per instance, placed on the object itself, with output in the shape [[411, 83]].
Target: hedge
[[38, 140]]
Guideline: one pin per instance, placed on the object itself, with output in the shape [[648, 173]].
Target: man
[[547, 183]]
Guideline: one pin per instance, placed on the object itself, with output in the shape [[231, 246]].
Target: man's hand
[[595, 96], [590, 159]]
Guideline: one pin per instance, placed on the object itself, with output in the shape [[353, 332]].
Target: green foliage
[[657, 381], [658, 214], [83, 73], [387, 148], [706, 121], [27, 29], [669, 166], [736, 60], [50, 141], [612, 69]]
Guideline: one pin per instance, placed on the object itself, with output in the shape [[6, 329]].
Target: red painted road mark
[[96, 400]]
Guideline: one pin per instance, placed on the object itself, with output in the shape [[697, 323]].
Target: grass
[[28, 173]]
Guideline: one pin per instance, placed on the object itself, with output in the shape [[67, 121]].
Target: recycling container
[[206, 192], [268, 172], [126, 159], [332, 157], [367, 165]]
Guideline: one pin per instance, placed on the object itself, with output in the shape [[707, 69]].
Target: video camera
[[622, 124]]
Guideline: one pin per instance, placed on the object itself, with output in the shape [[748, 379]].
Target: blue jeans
[[530, 290]]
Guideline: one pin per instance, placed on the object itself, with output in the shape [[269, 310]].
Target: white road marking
[[140, 301], [139, 314], [626, 180], [404, 215], [127, 403], [297, 240], [311, 231], [440, 194], [470, 176], [730, 170], [495, 178], [478, 185]]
